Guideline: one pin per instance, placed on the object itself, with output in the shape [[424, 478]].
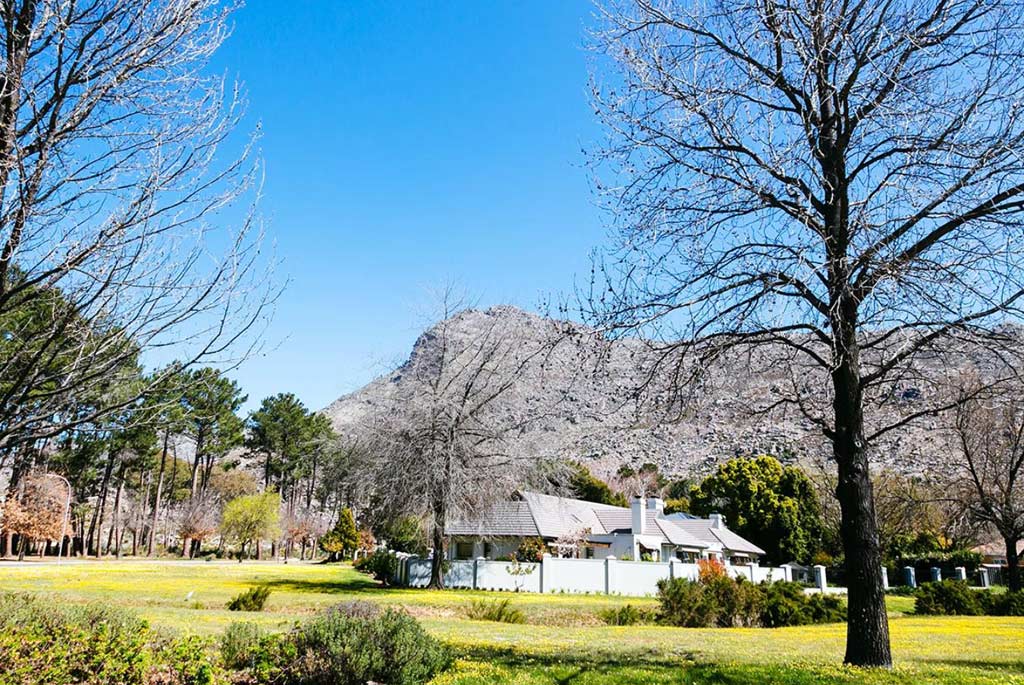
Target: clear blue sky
[[407, 144]]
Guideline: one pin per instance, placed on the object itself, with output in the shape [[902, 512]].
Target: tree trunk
[[259, 551], [116, 524], [186, 545], [200, 438], [159, 492], [437, 561], [1012, 565], [96, 526], [867, 628]]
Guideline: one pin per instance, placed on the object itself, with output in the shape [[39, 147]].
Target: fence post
[[545, 573], [985, 580], [936, 574], [672, 568], [476, 570], [961, 573], [910, 576], [787, 573], [609, 566], [885, 578], [820, 578]]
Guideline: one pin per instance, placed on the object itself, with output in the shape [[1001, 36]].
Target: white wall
[[597, 576]]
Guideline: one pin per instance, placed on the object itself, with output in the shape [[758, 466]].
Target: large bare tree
[[119, 179], [990, 430], [442, 442], [841, 181]]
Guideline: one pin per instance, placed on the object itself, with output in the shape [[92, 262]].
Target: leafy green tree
[[403, 534], [211, 401], [251, 518], [772, 505], [343, 539], [588, 487]]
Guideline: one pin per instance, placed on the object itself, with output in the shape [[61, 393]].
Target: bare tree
[[442, 440], [991, 435], [840, 181], [115, 190]]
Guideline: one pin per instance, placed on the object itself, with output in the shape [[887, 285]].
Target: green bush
[[530, 549], [628, 615], [950, 598], [500, 610], [44, 642], [248, 648], [1008, 604], [182, 661], [357, 642], [382, 565], [252, 599], [724, 602], [786, 604]]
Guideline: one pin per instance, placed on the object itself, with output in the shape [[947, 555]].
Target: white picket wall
[[496, 575], [595, 576], [573, 575]]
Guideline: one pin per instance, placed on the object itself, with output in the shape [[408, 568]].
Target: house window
[[463, 550], [588, 552], [488, 550]]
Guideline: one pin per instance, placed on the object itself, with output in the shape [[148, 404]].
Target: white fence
[[595, 576]]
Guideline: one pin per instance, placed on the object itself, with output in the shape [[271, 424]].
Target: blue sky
[[408, 144]]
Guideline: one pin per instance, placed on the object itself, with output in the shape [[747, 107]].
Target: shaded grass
[[563, 640]]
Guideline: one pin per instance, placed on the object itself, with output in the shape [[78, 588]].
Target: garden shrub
[[42, 642], [716, 600], [182, 661], [382, 565], [628, 615], [950, 598], [786, 604], [357, 642], [252, 599], [1008, 604], [531, 549], [245, 647], [499, 610]]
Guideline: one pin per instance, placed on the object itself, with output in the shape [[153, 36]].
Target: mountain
[[589, 381]]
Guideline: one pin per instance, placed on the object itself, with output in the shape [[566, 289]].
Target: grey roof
[[532, 514], [703, 530], [504, 519]]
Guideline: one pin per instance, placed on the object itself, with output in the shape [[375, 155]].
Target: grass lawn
[[563, 641]]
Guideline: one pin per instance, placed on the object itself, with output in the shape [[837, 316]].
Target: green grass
[[562, 641]]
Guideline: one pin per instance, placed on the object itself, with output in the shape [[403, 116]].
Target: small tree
[[36, 512], [343, 539], [251, 518], [774, 506]]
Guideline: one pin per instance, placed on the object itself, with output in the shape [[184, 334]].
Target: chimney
[[639, 515], [717, 520], [657, 505]]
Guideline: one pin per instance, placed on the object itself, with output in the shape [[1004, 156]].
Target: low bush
[[182, 661], [786, 604], [245, 647], [499, 610], [382, 565], [42, 642], [252, 599], [1008, 604], [357, 642], [717, 600], [628, 615], [950, 598]]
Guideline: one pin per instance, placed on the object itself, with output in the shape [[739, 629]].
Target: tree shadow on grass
[[347, 586]]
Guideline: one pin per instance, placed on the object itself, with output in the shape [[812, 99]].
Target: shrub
[[182, 661], [357, 642], [949, 598], [1008, 604], [247, 647], [720, 601], [786, 604], [252, 599], [627, 615], [708, 569], [41, 642], [500, 610], [531, 549], [382, 565]]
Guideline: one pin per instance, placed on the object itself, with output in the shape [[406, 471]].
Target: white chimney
[[717, 521], [639, 515], [657, 505]]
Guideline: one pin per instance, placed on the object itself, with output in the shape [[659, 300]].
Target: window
[[463, 550], [488, 550]]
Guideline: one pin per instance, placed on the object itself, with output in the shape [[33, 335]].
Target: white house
[[577, 528]]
